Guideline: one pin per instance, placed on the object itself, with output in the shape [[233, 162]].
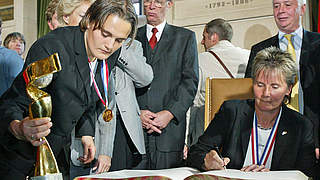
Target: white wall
[[25, 21]]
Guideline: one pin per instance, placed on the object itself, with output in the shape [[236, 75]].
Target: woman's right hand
[[31, 130], [212, 161]]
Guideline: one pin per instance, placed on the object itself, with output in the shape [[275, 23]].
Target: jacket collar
[[284, 132]]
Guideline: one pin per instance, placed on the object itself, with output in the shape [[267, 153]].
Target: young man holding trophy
[[95, 42]]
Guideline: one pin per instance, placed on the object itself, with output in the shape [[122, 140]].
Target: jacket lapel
[[81, 60], [306, 48], [142, 37], [246, 125], [282, 138], [275, 41], [162, 45], [153, 56]]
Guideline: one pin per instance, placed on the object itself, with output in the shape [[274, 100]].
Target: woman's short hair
[[13, 36], [278, 61], [51, 9], [100, 10], [67, 7]]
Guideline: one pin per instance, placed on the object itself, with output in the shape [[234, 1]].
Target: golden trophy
[[39, 75]]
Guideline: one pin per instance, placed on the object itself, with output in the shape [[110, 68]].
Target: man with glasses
[[172, 53]]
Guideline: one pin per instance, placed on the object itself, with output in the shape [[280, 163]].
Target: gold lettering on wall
[[190, 12], [6, 10], [226, 3]]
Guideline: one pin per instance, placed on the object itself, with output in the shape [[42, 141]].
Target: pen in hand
[[219, 154]]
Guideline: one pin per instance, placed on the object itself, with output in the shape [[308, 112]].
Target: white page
[[173, 173], [274, 175], [183, 172]]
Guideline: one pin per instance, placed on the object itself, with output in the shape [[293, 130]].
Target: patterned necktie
[[294, 103], [153, 39]]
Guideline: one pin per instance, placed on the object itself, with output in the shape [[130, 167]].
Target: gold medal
[[107, 115]]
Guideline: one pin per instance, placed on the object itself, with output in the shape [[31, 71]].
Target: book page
[[174, 173], [274, 175], [191, 174]]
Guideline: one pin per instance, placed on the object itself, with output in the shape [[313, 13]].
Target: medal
[[107, 115], [262, 160]]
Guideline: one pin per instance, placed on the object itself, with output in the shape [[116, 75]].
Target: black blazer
[[309, 73], [175, 66], [73, 100], [230, 130]]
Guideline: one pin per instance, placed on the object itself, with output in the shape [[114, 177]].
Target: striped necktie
[[153, 39]]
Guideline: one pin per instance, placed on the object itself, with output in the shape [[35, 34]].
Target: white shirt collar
[[221, 44], [160, 28], [298, 34]]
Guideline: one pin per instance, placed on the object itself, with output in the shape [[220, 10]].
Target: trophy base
[[57, 176]]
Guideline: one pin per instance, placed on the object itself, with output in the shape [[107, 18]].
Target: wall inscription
[[222, 4], [191, 12]]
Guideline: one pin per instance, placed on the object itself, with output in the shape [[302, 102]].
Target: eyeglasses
[[157, 3]]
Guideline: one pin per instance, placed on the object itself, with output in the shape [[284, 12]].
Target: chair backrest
[[220, 90]]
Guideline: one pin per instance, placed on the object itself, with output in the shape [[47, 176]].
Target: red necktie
[[153, 39]]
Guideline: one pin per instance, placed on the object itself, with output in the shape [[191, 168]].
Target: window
[[138, 6]]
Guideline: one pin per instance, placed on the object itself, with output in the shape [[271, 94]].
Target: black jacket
[[309, 73], [73, 100], [230, 130]]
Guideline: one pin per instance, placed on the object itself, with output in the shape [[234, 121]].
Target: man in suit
[[102, 31], [287, 15], [172, 53], [216, 38]]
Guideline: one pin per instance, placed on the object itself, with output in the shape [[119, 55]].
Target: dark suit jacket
[[309, 73], [175, 66], [230, 130], [73, 100]]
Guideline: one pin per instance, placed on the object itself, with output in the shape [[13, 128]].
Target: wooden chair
[[219, 90]]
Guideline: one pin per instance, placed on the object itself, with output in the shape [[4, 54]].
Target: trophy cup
[[39, 75]]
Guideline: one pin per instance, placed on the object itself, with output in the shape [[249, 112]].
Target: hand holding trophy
[[39, 75]]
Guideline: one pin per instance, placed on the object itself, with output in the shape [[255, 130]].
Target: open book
[[185, 173]]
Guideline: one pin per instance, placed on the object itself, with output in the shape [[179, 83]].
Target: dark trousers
[[17, 158], [125, 155], [161, 160]]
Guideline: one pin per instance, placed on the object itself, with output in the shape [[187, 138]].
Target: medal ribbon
[[269, 144], [105, 79]]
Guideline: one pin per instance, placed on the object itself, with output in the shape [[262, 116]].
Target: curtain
[[318, 16], [315, 15], [43, 27]]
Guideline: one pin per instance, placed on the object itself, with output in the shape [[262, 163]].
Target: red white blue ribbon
[[269, 145], [105, 79]]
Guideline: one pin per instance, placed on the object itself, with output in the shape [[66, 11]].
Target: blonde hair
[[51, 9], [67, 7], [273, 59]]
